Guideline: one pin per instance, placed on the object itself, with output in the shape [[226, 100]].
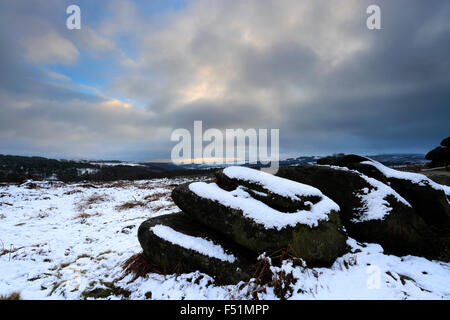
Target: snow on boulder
[[428, 198], [371, 210], [255, 210], [175, 242], [374, 198], [278, 193], [261, 213], [415, 178]]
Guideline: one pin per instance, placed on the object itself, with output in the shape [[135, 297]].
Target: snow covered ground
[[59, 241]]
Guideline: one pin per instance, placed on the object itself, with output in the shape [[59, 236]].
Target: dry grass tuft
[[72, 192], [158, 208], [88, 186], [138, 266], [42, 214], [281, 282], [118, 184], [11, 250], [12, 296], [87, 215], [150, 185], [130, 205], [156, 196], [145, 203], [94, 199]]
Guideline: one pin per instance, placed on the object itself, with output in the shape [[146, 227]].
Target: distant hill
[[386, 159], [19, 168], [399, 159]]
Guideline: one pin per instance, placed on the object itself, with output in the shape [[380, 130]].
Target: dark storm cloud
[[395, 97], [310, 68], [389, 96]]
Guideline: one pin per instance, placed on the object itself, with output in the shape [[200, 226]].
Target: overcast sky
[[137, 70]]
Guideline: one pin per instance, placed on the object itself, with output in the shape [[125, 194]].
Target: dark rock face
[[439, 156], [427, 198], [171, 257], [431, 204], [353, 162], [446, 142], [400, 232], [439, 176], [320, 245], [433, 207], [342, 160]]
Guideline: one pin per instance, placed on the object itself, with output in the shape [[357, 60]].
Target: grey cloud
[[310, 68]]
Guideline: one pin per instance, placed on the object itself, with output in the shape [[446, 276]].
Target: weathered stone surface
[[319, 245], [424, 196], [353, 161], [429, 203], [445, 142], [402, 231], [440, 176], [171, 257], [265, 195], [439, 156], [341, 160]]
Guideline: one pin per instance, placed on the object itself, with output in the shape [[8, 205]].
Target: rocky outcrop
[[225, 226], [428, 198], [308, 210], [370, 210], [175, 242], [313, 232], [440, 156], [446, 142]]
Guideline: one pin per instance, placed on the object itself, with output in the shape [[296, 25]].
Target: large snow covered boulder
[[429, 199], [256, 210], [371, 210], [175, 242]]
